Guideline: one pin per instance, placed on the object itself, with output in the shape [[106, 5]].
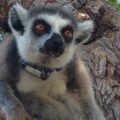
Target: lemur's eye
[[40, 27], [67, 33]]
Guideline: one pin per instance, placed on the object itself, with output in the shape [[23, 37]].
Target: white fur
[[28, 52], [86, 26], [29, 45], [21, 12], [56, 21], [23, 17]]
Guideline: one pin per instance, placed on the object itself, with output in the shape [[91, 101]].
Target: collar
[[38, 71]]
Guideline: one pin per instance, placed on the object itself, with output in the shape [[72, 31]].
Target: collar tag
[[33, 71], [41, 72]]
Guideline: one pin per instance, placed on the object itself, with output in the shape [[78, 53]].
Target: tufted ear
[[17, 18], [84, 31]]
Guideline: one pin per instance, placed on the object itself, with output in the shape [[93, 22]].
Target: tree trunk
[[102, 56]]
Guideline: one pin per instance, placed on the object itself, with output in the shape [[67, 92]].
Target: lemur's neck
[[39, 71]]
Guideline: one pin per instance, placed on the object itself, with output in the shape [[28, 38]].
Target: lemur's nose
[[55, 45]]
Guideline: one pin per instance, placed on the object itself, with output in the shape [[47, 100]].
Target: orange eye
[[68, 34], [40, 27]]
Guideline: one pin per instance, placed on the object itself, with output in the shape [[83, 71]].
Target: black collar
[[39, 71]]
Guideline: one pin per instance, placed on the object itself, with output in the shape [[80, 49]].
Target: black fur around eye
[[67, 33], [40, 27]]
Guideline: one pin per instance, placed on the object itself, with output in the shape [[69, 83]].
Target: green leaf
[[114, 3]]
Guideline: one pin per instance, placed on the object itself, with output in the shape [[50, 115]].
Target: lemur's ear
[[17, 18], [84, 31]]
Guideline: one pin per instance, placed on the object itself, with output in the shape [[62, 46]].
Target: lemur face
[[50, 35], [47, 36]]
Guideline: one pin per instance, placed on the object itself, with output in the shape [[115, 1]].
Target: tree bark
[[103, 55]]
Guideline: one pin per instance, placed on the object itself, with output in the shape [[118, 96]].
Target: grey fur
[[54, 10], [66, 95]]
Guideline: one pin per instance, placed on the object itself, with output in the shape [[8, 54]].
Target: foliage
[[114, 4]]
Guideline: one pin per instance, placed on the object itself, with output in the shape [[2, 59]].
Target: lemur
[[43, 76]]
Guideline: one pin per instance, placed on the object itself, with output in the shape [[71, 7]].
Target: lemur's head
[[47, 36]]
